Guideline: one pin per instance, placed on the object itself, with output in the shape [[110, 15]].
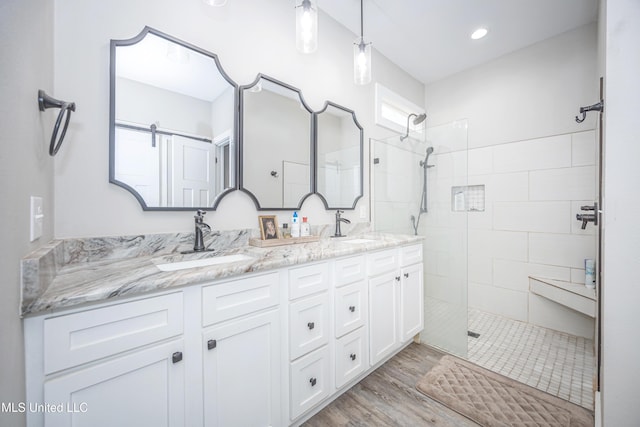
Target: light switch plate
[[37, 218]]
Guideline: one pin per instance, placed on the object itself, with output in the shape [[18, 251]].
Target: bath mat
[[494, 400]]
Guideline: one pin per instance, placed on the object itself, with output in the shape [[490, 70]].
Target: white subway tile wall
[[533, 191]]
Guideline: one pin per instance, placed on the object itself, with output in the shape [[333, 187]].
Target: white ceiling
[[430, 39]]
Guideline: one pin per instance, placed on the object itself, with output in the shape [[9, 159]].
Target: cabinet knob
[[311, 325], [312, 381], [352, 356], [211, 344], [352, 308], [176, 357], [397, 278], [406, 274]]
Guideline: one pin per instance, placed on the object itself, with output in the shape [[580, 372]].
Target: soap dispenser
[[305, 228], [295, 225]]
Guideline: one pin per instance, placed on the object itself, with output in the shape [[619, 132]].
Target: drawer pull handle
[[352, 308], [176, 357], [352, 356], [397, 278], [211, 344], [311, 325], [406, 274], [313, 382]]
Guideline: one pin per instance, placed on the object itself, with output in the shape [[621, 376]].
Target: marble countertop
[[61, 276]]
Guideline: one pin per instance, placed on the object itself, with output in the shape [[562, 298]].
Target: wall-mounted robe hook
[[44, 102], [274, 174], [595, 107]]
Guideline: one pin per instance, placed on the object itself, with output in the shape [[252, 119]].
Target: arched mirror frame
[[328, 104], [241, 144], [112, 118]]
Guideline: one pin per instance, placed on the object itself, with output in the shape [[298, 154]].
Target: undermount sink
[[183, 265], [358, 241]]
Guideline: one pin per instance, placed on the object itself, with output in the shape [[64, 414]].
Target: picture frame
[[269, 227]]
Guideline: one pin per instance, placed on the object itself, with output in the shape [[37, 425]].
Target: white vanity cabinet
[[395, 299], [116, 365], [309, 333], [241, 352], [263, 349]]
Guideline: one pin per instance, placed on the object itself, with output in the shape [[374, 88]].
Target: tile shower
[[479, 254]]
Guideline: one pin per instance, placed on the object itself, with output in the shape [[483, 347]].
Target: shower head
[[423, 163], [419, 118]]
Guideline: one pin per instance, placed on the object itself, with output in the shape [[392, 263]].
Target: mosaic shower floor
[[554, 362]]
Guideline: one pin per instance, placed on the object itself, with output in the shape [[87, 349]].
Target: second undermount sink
[[358, 241], [218, 260]]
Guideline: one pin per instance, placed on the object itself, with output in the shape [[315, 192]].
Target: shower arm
[[595, 107]]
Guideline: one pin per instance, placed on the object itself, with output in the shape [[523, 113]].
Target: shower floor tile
[[554, 362]]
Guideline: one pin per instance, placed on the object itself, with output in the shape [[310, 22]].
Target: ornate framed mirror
[[276, 158], [339, 146], [173, 116]]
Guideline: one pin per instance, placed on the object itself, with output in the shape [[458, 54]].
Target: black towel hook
[[595, 107], [44, 102]]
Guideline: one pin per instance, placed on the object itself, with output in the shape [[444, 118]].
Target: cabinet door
[[145, 388], [350, 308], [351, 356], [383, 315], [308, 324], [242, 372], [411, 302], [310, 381]]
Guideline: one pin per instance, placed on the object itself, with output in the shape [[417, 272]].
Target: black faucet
[[198, 245], [339, 220]]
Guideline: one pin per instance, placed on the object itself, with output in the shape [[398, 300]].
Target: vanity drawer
[[410, 255], [382, 262], [308, 280], [309, 381], [351, 356], [308, 324], [82, 337], [350, 307], [349, 270], [239, 297]]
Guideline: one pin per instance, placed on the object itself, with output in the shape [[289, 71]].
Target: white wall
[[620, 290], [26, 49], [538, 168], [530, 93], [249, 36]]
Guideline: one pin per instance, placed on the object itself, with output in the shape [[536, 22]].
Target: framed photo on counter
[[268, 227]]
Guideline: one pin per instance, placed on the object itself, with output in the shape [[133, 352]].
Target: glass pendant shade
[[307, 26], [361, 62]]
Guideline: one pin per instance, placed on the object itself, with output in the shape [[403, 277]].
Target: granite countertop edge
[[88, 282]]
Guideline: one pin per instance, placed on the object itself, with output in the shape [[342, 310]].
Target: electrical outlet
[[37, 218], [363, 212]]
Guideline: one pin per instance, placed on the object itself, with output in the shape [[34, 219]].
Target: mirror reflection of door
[[192, 172], [187, 160]]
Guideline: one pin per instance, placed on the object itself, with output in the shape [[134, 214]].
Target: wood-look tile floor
[[388, 397]]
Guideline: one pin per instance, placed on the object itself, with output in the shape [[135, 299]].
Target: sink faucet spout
[[201, 226]]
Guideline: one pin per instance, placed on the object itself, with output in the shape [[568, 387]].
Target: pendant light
[[361, 55], [307, 26]]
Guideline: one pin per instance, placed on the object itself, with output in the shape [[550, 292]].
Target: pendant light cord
[[361, 20]]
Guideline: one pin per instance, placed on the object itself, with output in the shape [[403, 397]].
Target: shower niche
[[467, 198]]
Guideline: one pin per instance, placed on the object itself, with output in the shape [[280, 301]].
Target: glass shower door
[[398, 193]]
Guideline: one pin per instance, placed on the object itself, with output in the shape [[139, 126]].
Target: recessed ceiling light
[[479, 33]]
